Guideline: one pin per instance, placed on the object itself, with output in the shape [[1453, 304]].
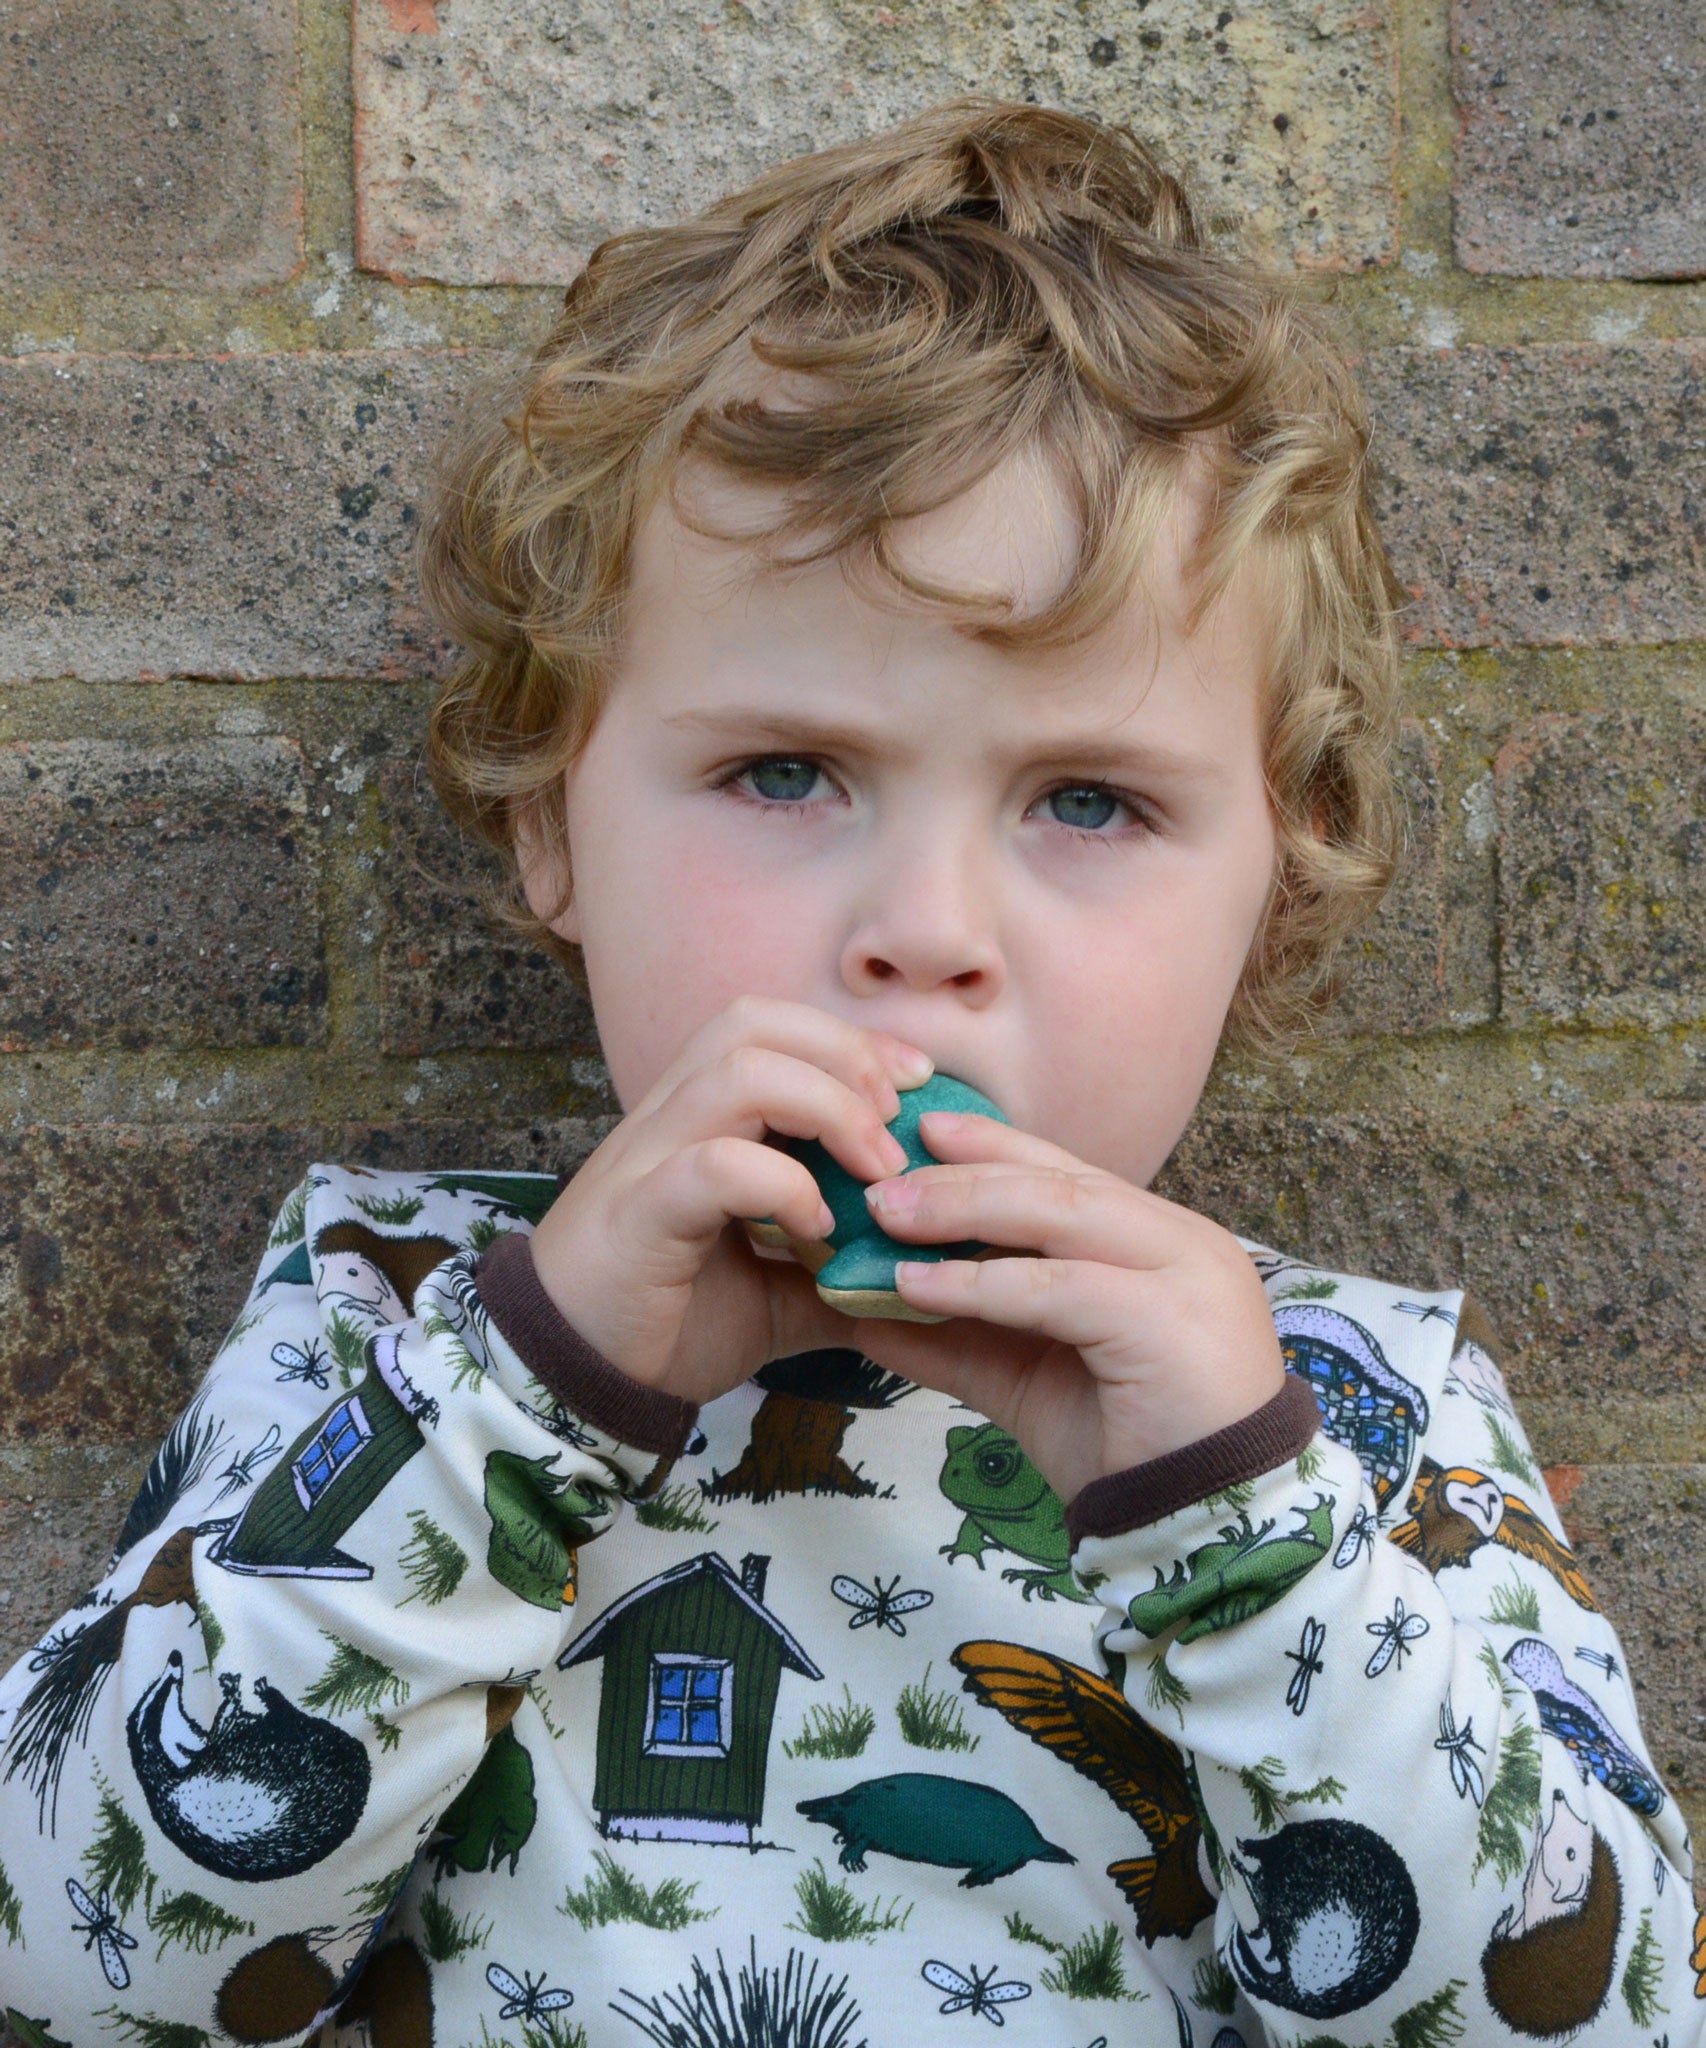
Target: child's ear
[[545, 881]]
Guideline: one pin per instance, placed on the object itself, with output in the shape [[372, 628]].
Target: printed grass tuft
[[932, 1720], [837, 1732], [612, 1893], [830, 1911]]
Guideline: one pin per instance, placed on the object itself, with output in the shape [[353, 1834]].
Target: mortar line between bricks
[[1503, 1072], [325, 34]]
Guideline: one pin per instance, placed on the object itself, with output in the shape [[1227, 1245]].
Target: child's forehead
[[1009, 543], [833, 654]]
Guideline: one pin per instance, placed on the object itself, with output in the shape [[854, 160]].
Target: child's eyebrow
[[1094, 752]]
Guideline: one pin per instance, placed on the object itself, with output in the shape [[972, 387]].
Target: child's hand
[[638, 1252], [1140, 1328]]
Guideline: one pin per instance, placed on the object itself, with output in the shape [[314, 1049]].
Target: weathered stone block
[[157, 896], [1544, 496], [150, 142], [60, 1513], [1602, 871], [126, 1252], [500, 142], [1640, 1533], [253, 516], [1582, 1232], [452, 974], [1396, 976], [1580, 151]]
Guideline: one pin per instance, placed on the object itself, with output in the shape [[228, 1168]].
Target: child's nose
[[930, 931]]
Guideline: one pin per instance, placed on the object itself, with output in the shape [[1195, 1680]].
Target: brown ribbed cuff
[[556, 1354], [1160, 1487]]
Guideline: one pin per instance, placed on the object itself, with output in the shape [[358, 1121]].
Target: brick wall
[[250, 257]]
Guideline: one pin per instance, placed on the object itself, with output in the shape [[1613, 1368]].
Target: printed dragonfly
[[884, 1605], [1307, 1658], [1457, 1743], [296, 1364], [975, 1993], [102, 1928], [528, 1999], [1397, 1632]]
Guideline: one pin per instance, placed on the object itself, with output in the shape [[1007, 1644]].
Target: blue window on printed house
[[342, 1434], [690, 1705]]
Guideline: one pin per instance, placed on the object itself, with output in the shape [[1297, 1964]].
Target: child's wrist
[[566, 1359], [1150, 1489]]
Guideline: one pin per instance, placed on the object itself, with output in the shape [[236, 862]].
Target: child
[[923, 616]]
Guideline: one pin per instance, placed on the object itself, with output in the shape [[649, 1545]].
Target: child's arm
[[1428, 1726], [351, 1556], [1419, 1784], [352, 1553]]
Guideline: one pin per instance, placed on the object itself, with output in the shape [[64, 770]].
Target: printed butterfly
[[882, 1606], [102, 1927], [527, 1999], [974, 1993]]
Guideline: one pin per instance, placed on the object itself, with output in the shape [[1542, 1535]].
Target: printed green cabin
[[330, 1475], [693, 1661]]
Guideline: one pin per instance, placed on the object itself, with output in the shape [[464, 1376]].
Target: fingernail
[[893, 1153], [910, 1269], [942, 1119], [893, 1197], [915, 1064], [825, 1219]]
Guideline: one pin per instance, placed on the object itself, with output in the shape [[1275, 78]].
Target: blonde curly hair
[[983, 279]]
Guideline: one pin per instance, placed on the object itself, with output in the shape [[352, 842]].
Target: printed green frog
[[1010, 1505]]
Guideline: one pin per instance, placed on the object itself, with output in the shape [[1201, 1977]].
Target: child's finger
[[959, 1137], [691, 1197], [874, 1064], [1063, 1216], [1081, 1302], [752, 1089]]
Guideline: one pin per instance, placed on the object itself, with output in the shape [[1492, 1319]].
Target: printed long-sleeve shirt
[[447, 1686]]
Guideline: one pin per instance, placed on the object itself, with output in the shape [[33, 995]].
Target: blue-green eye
[[1086, 806], [782, 779]]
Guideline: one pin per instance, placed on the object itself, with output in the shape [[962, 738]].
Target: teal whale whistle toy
[[855, 1264]]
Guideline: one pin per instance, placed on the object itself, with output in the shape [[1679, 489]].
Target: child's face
[[1045, 868]]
